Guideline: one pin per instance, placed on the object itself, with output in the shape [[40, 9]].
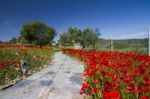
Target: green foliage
[[120, 45], [136, 45], [75, 34], [66, 39], [89, 37], [38, 33], [86, 38], [22, 40], [1, 42], [13, 40]]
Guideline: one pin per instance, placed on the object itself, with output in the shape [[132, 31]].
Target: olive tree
[[38, 33]]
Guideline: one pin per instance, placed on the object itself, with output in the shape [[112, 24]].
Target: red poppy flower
[[114, 84], [107, 85], [106, 95], [2, 65], [130, 87], [114, 77], [95, 81], [95, 90], [144, 97], [144, 89], [114, 94], [85, 85]]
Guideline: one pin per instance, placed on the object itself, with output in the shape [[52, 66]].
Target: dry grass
[[83, 96]]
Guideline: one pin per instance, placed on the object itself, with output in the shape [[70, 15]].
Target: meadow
[[114, 75], [11, 55]]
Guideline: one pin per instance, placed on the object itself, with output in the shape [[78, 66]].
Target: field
[[114, 75], [11, 55]]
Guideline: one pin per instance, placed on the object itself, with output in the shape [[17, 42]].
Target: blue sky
[[116, 18]]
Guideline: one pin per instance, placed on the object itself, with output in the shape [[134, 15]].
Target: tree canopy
[[86, 37], [38, 33], [13, 40]]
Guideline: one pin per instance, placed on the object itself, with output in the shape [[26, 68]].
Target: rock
[[17, 69], [29, 73], [45, 65], [25, 66]]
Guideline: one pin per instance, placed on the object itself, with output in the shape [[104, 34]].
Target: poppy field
[[11, 55], [114, 75]]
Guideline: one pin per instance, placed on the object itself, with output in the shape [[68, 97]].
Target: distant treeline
[[125, 44]]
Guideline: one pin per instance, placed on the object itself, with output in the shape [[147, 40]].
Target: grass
[[10, 57]]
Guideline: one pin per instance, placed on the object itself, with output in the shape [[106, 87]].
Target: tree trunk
[[83, 46], [40, 46]]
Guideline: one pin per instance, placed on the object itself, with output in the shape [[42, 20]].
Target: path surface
[[60, 80]]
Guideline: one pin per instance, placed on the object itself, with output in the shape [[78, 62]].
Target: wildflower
[[145, 89], [95, 90], [2, 65], [144, 97], [114, 94], [107, 85], [130, 87]]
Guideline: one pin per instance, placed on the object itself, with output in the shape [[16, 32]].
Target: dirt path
[[60, 80]]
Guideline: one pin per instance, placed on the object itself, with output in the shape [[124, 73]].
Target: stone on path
[[60, 80]]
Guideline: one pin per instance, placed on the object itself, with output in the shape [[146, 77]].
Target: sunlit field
[[11, 56], [114, 75]]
